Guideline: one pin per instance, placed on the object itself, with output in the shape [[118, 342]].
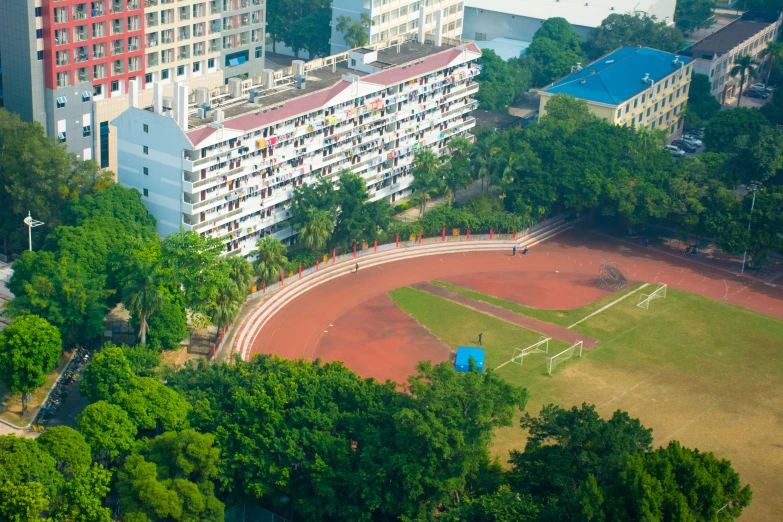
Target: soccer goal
[[555, 360], [542, 346], [659, 293]]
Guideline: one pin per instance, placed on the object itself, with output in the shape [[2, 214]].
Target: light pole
[[754, 186], [31, 223]]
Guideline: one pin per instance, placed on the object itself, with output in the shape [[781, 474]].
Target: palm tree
[[317, 230], [269, 258], [456, 172], [425, 168], [142, 295], [226, 306], [745, 66], [774, 51], [241, 273]]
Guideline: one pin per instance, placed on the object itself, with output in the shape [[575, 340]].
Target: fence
[[447, 235]]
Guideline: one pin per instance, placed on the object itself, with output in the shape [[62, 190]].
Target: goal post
[[542, 346], [658, 293], [555, 360]]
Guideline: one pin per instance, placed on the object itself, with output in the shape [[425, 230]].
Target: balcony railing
[[133, 5]]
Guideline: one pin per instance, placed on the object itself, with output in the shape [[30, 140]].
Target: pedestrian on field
[[357, 268], [481, 336], [514, 251]]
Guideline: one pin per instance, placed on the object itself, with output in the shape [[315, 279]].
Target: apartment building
[[714, 56], [227, 167], [69, 63], [393, 18], [635, 86], [486, 20]]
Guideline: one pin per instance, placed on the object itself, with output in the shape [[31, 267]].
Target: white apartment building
[[393, 18], [714, 56], [227, 168]]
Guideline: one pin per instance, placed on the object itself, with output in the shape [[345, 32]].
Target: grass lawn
[[11, 406], [558, 317], [457, 325], [697, 370]]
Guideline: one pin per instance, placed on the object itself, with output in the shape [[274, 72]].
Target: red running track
[[349, 319]]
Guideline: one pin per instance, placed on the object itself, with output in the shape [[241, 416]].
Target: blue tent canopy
[[464, 353]]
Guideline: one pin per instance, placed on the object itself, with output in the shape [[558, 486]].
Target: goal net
[[659, 293], [542, 346], [555, 360]]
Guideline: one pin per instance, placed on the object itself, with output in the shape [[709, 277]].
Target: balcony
[[61, 15], [134, 64], [152, 40], [150, 3], [97, 9], [134, 44], [115, 6], [98, 51], [167, 38], [61, 37], [80, 34], [117, 68], [63, 79], [83, 75], [151, 20], [80, 54], [134, 24], [117, 48], [152, 60], [184, 13], [80, 12], [133, 5], [98, 30], [117, 27], [183, 34]]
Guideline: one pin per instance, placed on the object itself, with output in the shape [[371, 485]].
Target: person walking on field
[[481, 337], [357, 268], [514, 251]]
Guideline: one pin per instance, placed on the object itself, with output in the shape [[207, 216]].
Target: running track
[[299, 329]]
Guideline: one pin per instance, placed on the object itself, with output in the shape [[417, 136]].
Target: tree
[[240, 271], [82, 497], [67, 446], [151, 406], [269, 258], [23, 461], [29, 350], [702, 105], [225, 308], [168, 325], [425, 168], [691, 15], [774, 53], [618, 30], [191, 260], [317, 230], [745, 67], [60, 291], [143, 360], [107, 373], [142, 295], [38, 175], [726, 126], [502, 82], [358, 220], [354, 32], [566, 108], [555, 49], [107, 429], [311, 33], [456, 171]]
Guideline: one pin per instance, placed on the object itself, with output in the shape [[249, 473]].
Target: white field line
[[608, 306]]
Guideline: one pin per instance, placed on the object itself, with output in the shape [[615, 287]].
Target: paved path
[[550, 330]]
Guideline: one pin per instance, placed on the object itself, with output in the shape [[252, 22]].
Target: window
[[40, 55], [39, 33], [196, 66], [627, 108], [115, 86], [384, 35], [393, 31], [145, 128], [146, 193], [180, 70], [37, 11], [104, 132], [86, 95], [428, 19], [146, 171], [86, 131], [61, 102], [98, 90], [147, 78], [164, 74], [635, 102], [211, 63], [259, 50], [145, 149], [353, 62], [644, 97]]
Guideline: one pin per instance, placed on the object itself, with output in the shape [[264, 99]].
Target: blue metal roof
[[618, 76]]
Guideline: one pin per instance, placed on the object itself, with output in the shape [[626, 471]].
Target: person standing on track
[[357, 268], [514, 251]]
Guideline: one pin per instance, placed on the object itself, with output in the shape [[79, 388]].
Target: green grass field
[[701, 371]]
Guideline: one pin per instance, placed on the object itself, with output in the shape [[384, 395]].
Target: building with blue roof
[[635, 86]]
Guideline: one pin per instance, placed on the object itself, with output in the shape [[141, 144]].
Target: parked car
[[685, 145], [762, 95], [760, 87], [674, 150], [692, 139], [698, 133]]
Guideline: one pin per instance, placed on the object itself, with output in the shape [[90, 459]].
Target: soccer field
[[697, 370]]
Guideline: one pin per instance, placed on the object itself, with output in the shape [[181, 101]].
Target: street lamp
[[754, 186], [31, 223]]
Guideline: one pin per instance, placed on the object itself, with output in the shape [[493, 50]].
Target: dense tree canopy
[[620, 30], [502, 82], [555, 49], [694, 14]]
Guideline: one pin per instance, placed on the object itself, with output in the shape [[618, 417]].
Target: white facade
[[393, 18], [233, 179], [520, 19]]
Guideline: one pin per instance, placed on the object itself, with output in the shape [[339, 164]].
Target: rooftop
[[495, 119], [322, 84], [730, 36], [505, 48], [577, 12], [619, 75]]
